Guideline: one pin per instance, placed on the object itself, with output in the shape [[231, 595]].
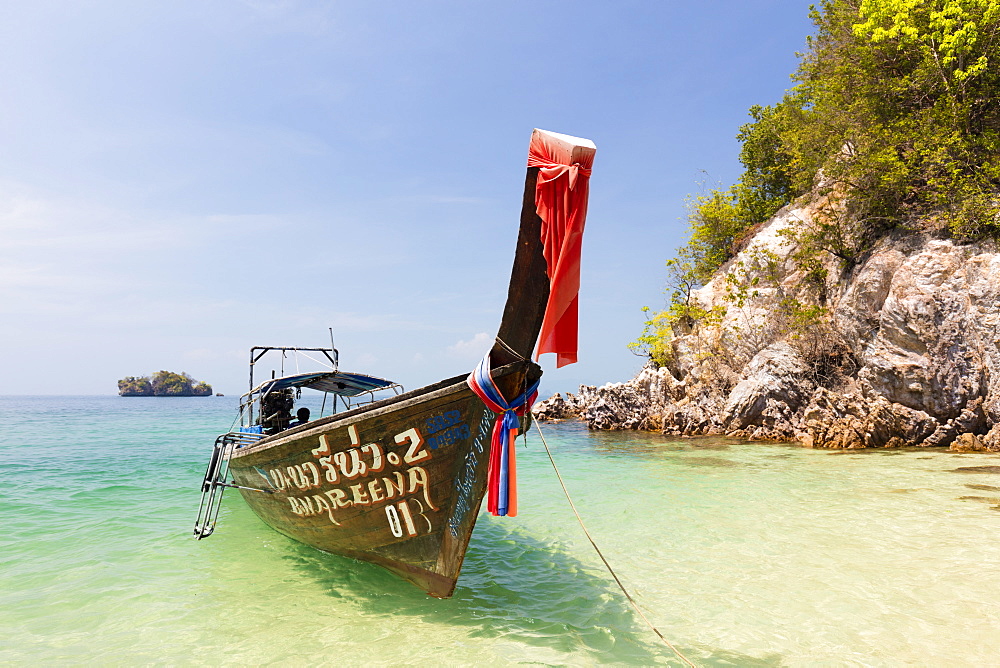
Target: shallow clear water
[[741, 554]]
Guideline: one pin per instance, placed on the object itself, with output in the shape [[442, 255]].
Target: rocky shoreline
[[909, 354]]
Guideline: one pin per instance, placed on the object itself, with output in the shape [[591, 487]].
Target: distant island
[[163, 384]]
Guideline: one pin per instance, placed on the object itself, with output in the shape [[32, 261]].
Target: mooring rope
[[503, 344], [601, 555]]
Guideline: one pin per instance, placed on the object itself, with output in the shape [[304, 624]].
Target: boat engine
[[276, 410]]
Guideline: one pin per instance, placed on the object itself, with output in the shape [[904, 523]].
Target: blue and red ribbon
[[501, 482]]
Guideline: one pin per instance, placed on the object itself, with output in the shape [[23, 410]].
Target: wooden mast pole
[[528, 293]]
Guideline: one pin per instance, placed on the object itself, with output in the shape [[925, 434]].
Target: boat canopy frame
[[343, 385]]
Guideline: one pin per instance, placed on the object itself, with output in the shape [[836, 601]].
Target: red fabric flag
[[564, 164]]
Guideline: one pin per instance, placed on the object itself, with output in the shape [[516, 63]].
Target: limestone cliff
[[906, 353]]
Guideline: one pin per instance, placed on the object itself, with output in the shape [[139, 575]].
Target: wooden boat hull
[[398, 483]]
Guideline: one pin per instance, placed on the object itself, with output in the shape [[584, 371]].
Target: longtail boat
[[399, 481]]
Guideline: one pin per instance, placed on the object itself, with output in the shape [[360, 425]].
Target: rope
[[239, 417], [503, 344], [311, 358], [601, 555]]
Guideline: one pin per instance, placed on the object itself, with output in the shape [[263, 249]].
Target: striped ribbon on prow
[[501, 485]]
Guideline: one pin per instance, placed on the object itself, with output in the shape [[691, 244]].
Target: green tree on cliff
[[894, 116], [201, 389], [899, 111], [169, 384], [132, 386]]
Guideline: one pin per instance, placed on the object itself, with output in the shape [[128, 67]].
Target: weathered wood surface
[[528, 291], [399, 484]]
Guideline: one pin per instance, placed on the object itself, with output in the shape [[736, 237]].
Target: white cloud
[[365, 359], [473, 349]]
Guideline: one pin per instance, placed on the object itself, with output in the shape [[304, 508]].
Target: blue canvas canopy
[[341, 383]]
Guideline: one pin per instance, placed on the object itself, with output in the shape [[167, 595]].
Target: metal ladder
[[214, 483]]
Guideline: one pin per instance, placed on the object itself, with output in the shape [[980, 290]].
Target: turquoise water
[[741, 554]]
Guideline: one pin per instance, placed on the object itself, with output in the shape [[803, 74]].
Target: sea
[[739, 554]]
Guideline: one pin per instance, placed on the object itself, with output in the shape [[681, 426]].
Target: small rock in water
[[706, 461], [984, 488], [967, 443], [977, 469], [984, 499]]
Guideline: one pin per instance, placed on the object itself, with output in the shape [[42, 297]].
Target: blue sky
[[181, 181]]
